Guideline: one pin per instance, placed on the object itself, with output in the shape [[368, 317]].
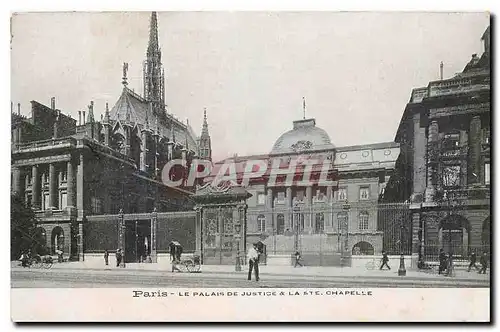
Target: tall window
[[364, 193], [261, 223], [300, 195], [487, 173], [342, 220], [320, 196], [342, 194], [63, 200], [363, 220], [45, 201], [280, 229], [281, 197], [320, 223], [261, 199], [451, 176]]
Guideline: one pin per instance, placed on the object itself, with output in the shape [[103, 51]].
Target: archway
[[454, 235], [57, 239], [362, 248]]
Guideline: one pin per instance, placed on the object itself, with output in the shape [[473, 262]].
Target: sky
[[250, 70]]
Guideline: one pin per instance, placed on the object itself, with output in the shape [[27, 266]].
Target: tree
[[22, 226]]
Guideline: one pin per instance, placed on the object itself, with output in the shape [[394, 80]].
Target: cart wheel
[[35, 264], [189, 265], [48, 265]]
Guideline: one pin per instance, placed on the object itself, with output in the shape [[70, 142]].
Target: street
[[95, 278]]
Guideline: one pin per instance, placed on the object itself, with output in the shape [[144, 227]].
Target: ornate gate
[[221, 224]]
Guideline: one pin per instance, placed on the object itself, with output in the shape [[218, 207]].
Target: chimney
[[53, 103], [101, 117], [18, 108], [83, 117], [441, 70], [11, 107], [79, 118]]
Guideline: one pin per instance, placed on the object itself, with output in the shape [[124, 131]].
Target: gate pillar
[[154, 223]]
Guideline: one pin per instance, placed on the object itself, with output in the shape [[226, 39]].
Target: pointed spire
[[106, 114], [91, 113], [304, 106], [204, 130], [153, 35], [125, 70]]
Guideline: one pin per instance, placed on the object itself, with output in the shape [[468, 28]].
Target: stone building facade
[[75, 173], [325, 221], [444, 165]]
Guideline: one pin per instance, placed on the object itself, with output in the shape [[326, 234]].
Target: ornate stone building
[[326, 222], [81, 176], [444, 165]]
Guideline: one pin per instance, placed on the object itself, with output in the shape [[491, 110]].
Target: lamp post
[[237, 228], [402, 269], [345, 226], [296, 210]]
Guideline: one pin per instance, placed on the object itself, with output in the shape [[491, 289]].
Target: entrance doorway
[[137, 240]]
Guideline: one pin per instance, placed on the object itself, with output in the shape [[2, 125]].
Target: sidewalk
[[306, 271]]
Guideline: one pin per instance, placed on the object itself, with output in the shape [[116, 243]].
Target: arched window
[[261, 223], [362, 248], [280, 229], [342, 220], [320, 223], [363, 220]]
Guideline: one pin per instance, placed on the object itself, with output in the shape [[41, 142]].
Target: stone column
[[329, 214], [475, 150], [53, 187], [80, 190], [198, 232], [36, 199], [308, 227], [170, 150], [16, 181], [432, 166], [269, 209], [288, 216], [154, 222], [419, 154], [121, 230], [71, 184], [415, 239], [80, 243], [463, 163]]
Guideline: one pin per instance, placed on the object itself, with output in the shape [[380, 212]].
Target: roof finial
[[106, 114], [441, 70], [304, 106], [125, 70], [91, 112]]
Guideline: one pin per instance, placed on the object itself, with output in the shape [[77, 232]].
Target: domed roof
[[304, 136]]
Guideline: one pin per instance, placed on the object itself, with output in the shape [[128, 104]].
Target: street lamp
[[402, 269], [296, 210], [345, 226]]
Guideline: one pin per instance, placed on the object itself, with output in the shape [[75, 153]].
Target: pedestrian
[[253, 262], [118, 257], [442, 261], [449, 264], [106, 256], [24, 259], [297, 259], [385, 261], [472, 261], [484, 262]]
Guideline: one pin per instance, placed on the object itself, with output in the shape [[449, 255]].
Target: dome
[[304, 136]]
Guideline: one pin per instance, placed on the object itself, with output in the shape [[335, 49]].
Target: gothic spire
[[106, 114], [204, 130], [153, 46]]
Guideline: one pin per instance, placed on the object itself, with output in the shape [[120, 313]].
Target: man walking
[[253, 262], [385, 261], [472, 261], [442, 261], [106, 257], [297, 259], [118, 257], [484, 262]]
